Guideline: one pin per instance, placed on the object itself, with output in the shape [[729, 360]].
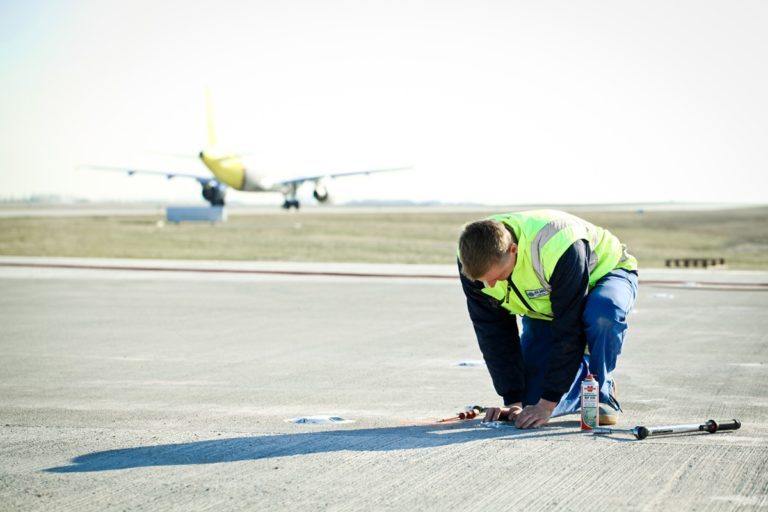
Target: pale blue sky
[[492, 101]]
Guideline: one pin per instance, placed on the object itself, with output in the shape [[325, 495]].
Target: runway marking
[[470, 363], [707, 285], [228, 271], [692, 285], [319, 420]]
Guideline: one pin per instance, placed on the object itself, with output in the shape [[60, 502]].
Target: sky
[[490, 101]]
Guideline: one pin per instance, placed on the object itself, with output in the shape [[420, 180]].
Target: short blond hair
[[482, 244]]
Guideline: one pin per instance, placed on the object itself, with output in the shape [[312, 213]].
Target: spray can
[[590, 403]]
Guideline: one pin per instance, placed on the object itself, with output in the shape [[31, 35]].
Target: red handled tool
[[468, 414]]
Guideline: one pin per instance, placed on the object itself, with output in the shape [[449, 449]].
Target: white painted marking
[[319, 420], [470, 363]]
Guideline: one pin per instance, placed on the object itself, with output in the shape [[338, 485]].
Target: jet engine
[[214, 192], [321, 192]]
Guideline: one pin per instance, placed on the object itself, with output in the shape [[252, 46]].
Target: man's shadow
[[305, 443]]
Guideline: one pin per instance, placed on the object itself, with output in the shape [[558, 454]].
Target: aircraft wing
[[202, 179], [301, 179]]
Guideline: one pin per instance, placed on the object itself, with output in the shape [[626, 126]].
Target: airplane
[[229, 171]]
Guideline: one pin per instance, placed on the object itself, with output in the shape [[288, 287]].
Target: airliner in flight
[[229, 171]]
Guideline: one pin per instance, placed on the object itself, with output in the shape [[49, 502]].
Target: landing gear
[[289, 193], [214, 192]]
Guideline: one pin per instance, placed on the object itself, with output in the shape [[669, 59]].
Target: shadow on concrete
[[285, 445]]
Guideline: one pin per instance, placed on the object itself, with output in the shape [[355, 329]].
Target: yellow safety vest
[[542, 238]]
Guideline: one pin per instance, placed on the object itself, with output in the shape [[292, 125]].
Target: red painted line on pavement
[[692, 285], [226, 271], [651, 282]]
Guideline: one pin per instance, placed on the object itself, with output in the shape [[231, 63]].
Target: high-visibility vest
[[542, 238]]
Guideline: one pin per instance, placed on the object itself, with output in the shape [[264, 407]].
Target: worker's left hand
[[535, 415]]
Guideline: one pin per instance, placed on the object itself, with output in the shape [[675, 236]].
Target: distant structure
[[695, 262], [212, 214]]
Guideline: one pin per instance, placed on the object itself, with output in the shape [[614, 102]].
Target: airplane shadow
[[305, 443]]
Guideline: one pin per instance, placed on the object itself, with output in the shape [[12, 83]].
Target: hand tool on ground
[[641, 433], [468, 414]]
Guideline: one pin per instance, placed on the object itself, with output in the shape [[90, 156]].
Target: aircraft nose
[[201, 155]]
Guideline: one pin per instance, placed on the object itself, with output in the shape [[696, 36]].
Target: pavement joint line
[[385, 275]]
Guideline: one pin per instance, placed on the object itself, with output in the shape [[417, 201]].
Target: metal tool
[[641, 433], [469, 413]]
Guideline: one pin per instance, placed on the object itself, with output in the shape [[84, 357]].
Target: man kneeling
[[574, 285]]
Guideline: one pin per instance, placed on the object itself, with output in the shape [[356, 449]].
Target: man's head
[[487, 251]]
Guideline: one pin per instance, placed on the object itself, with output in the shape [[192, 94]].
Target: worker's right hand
[[503, 413]]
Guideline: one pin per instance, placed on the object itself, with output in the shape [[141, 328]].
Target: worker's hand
[[503, 413], [535, 415]]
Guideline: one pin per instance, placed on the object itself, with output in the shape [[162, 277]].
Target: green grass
[[739, 235]]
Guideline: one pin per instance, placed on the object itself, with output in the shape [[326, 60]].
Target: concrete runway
[[158, 389]]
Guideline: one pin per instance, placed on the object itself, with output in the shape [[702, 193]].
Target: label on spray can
[[590, 403]]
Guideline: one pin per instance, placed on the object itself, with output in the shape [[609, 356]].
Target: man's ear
[[513, 248]]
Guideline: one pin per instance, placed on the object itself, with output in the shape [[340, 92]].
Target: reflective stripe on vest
[[546, 234]]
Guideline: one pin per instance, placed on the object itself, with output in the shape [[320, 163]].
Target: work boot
[[609, 415]]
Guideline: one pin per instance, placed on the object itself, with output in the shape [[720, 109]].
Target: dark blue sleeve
[[570, 287], [499, 340]]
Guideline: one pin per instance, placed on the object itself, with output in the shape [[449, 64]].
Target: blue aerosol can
[[590, 403]]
